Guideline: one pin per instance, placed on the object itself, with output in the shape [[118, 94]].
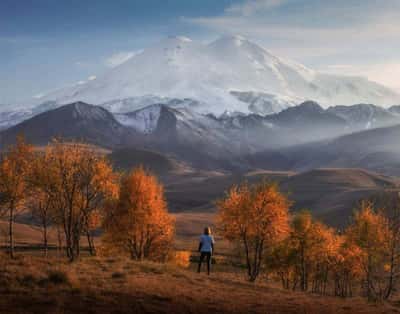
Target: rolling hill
[[330, 194]]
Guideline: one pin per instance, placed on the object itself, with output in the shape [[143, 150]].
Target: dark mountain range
[[298, 138], [395, 109], [188, 150], [366, 116], [376, 149], [77, 121]]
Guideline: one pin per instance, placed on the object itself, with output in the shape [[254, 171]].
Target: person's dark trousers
[[206, 255]]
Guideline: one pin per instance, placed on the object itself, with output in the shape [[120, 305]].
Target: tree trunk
[[76, 249], [303, 280], [92, 249], [392, 266], [11, 232], [369, 269], [59, 241], [45, 241], [69, 248]]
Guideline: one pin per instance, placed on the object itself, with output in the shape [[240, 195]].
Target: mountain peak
[[235, 39], [82, 110], [78, 105], [310, 105], [235, 42]]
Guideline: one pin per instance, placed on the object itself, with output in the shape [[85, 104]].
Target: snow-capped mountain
[[229, 74], [264, 104], [134, 103]]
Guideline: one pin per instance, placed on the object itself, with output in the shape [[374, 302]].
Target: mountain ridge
[[301, 137]]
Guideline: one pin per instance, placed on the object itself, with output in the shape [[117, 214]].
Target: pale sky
[[46, 44]]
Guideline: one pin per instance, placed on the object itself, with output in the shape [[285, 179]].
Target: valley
[[325, 160]]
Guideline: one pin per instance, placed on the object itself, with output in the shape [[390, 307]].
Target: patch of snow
[[144, 121]]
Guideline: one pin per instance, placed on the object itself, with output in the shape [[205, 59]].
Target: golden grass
[[116, 285]]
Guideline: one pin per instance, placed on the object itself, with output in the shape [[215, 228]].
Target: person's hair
[[207, 231]]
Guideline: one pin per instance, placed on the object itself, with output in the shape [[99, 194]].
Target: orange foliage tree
[[370, 232], [281, 260], [314, 246], [306, 255], [98, 182], [41, 195], [137, 222], [347, 267], [14, 166], [80, 180], [255, 217], [325, 247], [390, 208]]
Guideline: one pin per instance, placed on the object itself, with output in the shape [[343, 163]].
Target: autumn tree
[[370, 232], [389, 203], [98, 182], [254, 217], [81, 180], [347, 267], [40, 207], [41, 194], [137, 222], [281, 261], [302, 239], [325, 246], [306, 255], [14, 166]]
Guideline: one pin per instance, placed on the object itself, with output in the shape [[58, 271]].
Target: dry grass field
[[111, 285], [33, 284]]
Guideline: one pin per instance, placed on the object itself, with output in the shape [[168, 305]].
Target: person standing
[[206, 249]]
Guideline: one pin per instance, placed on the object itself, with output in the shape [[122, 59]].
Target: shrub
[[181, 258]]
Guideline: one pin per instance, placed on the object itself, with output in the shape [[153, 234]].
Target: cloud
[[38, 96], [318, 33], [120, 57], [250, 7], [308, 20], [387, 73]]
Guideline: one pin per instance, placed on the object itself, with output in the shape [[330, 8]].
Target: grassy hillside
[[331, 194], [96, 285], [159, 164]]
